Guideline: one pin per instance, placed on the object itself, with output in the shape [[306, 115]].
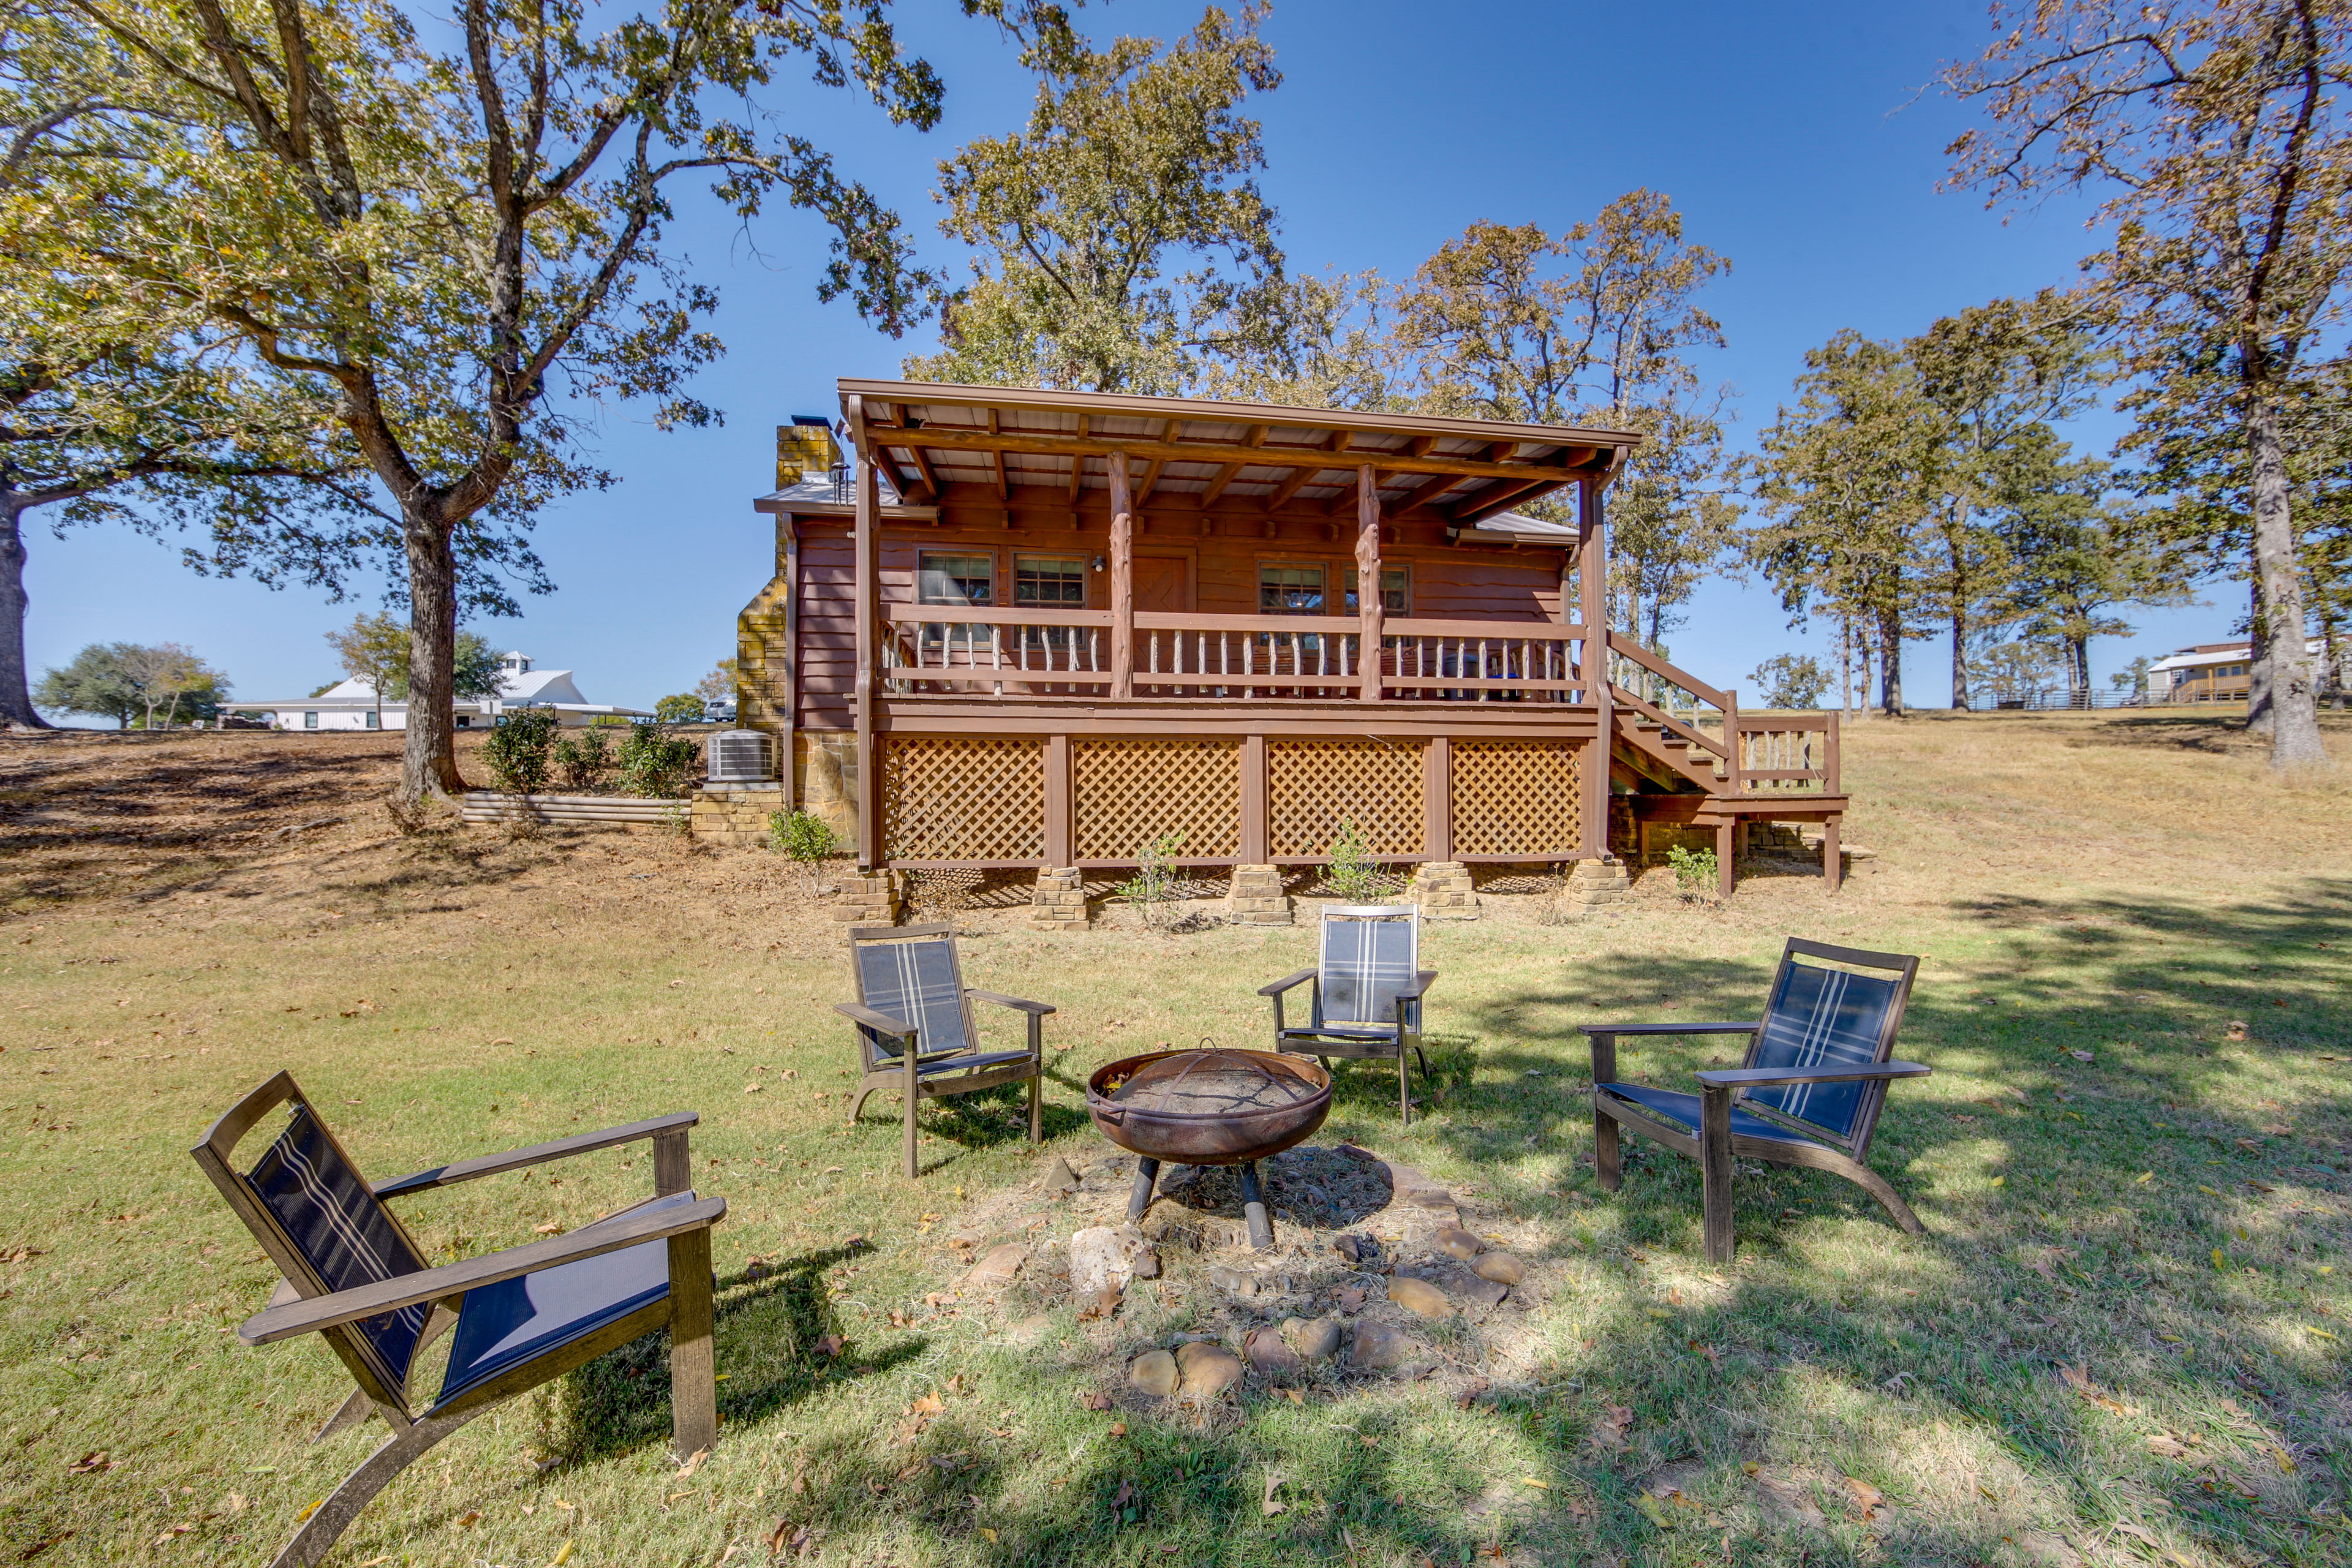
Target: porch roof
[[936, 442]]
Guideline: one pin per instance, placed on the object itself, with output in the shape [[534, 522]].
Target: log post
[[1122, 580], [1593, 573], [1253, 850], [869, 627], [1058, 814], [1372, 606]]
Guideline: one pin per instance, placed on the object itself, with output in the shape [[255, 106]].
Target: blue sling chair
[[354, 1275], [1806, 1093], [915, 1030], [1366, 995]]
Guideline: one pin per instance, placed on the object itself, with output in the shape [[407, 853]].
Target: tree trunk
[[1890, 663], [428, 759], [2078, 671], [2259, 712], [2281, 639], [15, 695], [1960, 694]]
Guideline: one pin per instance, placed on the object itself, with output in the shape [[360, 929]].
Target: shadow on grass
[[773, 1323]]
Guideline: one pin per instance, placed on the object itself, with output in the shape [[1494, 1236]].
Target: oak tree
[[2214, 133]]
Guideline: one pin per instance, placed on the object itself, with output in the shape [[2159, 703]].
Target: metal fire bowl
[[1213, 1106]]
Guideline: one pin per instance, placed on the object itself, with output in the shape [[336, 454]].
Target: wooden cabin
[[1019, 628]]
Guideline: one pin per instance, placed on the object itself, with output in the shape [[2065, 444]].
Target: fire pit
[[1209, 1107]]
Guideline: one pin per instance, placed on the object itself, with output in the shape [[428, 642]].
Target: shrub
[[584, 761], [1694, 874], [684, 708], [805, 838], [1353, 874], [1154, 881], [518, 750], [657, 766]]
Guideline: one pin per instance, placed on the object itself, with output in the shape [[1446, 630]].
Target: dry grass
[[2126, 887]]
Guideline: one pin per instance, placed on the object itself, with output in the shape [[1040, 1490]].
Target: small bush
[[1154, 881], [802, 836], [656, 766], [1352, 875], [684, 708], [583, 764], [518, 750], [1695, 873]]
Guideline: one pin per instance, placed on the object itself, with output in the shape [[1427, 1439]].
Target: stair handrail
[[1672, 725], [1669, 671]]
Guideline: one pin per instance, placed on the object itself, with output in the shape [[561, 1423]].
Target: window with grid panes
[[1394, 599], [1289, 588], [942, 578], [1050, 582]]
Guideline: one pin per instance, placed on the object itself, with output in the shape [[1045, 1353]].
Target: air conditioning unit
[[742, 756]]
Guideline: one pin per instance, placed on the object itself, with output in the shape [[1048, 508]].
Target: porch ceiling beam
[[1570, 465], [1501, 498], [1225, 475], [923, 467], [1078, 464], [996, 458]]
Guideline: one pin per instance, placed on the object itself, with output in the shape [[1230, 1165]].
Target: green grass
[[2139, 1215]]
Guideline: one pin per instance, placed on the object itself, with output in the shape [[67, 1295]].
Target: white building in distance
[[352, 704]]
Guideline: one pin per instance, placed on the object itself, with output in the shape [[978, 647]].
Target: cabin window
[[310, 721], [374, 720], [1393, 591], [955, 579], [1049, 582], [1289, 588]]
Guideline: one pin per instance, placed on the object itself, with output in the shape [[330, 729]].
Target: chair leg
[[1608, 1166], [1714, 1170], [1871, 1182], [693, 1359], [912, 1095], [328, 1521], [353, 1411], [857, 1105], [1404, 1090], [1037, 1107]]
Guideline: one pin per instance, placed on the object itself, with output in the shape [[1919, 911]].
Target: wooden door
[[1159, 584]]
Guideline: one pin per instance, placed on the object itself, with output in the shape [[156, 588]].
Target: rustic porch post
[[1122, 580], [1058, 837], [869, 623], [1592, 575], [1437, 798], [1253, 850], [1371, 605]]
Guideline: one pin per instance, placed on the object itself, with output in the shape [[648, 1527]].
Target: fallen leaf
[[986, 1534], [1126, 1490], [1297, 1398], [1653, 1512], [1869, 1497], [2286, 1460], [1609, 1432], [830, 1345], [1119, 1428], [562, 1555], [553, 1227], [1532, 1481], [94, 1463], [2164, 1446], [693, 1463], [2145, 1177], [1266, 1506], [470, 1520], [1094, 1399], [926, 1405]]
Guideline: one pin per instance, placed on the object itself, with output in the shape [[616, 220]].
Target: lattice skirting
[[956, 797], [1127, 793], [1517, 797], [1312, 786]]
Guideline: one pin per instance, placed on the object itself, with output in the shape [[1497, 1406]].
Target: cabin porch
[[1073, 623]]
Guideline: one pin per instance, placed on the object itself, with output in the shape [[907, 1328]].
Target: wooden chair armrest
[[897, 1029], [457, 1279], [1597, 1029], [1018, 1004], [1761, 1078], [1422, 981], [536, 1154], [1286, 982]]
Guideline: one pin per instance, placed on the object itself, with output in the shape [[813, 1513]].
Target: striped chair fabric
[[1822, 1016], [916, 981], [1367, 960], [332, 1216]]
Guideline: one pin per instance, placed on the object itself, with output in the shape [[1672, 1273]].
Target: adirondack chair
[[354, 1275], [1366, 995], [915, 1030], [1808, 1091]]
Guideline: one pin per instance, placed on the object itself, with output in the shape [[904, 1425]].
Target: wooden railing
[[936, 649], [1790, 753], [939, 650]]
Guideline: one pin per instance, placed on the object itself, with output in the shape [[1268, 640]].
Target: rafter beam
[[1571, 465]]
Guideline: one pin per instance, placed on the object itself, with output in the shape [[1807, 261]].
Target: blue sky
[[1797, 140]]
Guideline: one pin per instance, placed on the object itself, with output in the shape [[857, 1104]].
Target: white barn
[[352, 704]]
